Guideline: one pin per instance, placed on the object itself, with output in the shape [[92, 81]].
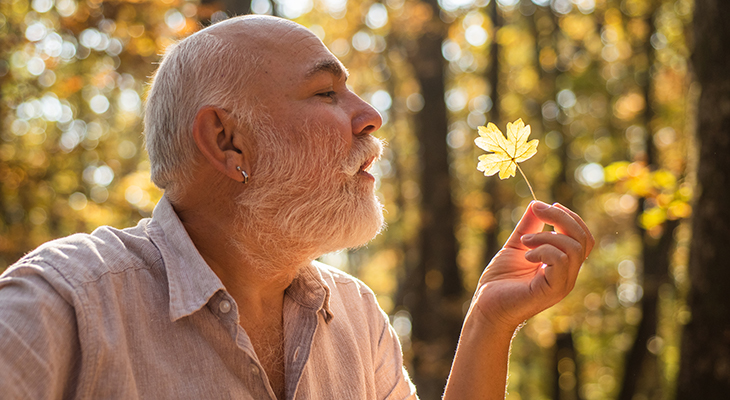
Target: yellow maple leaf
[[505, 152]]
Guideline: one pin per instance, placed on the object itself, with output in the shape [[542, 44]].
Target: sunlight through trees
[[606, 86]]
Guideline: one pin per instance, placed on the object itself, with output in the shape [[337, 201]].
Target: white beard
[[306, 198]]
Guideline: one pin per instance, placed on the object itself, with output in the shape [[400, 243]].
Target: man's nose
[[366, 119]]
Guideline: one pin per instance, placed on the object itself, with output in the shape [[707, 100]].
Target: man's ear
[[214, 132]]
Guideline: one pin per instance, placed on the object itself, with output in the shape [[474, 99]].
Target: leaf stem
[[527, 181]]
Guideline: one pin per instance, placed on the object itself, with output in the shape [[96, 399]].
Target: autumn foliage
[[604, 84]]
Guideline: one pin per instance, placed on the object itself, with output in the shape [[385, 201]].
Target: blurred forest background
[[608, 87]]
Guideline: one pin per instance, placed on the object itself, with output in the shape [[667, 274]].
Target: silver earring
[[245, 175]]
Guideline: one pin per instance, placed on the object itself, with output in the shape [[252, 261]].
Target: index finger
[[529, 223]]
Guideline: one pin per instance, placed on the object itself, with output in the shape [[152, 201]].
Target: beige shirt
[[138, 314]]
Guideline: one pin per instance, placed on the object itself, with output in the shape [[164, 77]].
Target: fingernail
[[540, 205], [528, 236]]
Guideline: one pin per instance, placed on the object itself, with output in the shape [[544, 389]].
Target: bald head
[[219, 66], [254, 29], [279, 45]]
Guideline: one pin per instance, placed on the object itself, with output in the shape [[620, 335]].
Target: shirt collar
[[191, 281], [310, 290]]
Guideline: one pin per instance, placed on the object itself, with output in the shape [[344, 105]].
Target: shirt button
[[254, 369], [224, 306]]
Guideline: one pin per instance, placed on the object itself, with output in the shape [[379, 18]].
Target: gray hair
[[201, 70]]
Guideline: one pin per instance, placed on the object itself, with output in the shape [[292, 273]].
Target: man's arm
[[39, 348], [533, 271]]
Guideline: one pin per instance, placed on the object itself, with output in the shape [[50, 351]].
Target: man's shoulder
[[348, 294], [82, 258]]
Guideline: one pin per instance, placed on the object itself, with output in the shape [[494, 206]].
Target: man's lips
[[366, 164], [363, 168]]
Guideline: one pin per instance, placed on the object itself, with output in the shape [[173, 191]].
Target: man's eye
[[329, 94]]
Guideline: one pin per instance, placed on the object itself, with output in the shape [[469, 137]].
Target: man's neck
[[255, 279]]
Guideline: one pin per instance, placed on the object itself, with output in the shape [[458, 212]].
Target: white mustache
[[363, 149]]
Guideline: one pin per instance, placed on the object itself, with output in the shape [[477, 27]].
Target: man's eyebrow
[[334, 67]]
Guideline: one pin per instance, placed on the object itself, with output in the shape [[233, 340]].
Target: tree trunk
[[705, 354], [231, 7], [236, 7], [566, 382], [641, 365], [641, 368], [491, 186], [562, 188], [433, 290]]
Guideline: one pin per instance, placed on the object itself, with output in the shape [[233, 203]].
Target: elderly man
[[263, 152]]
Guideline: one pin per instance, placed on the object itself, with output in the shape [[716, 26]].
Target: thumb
[[529, 223]]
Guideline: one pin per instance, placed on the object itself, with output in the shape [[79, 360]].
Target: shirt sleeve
[[39, 347], [391, 378]]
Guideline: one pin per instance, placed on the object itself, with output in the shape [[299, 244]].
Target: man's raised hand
[[535, 269]]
